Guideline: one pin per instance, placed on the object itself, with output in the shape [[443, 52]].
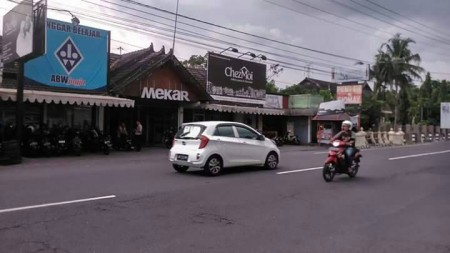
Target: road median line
[[418, 155], [55, 204], [296, 171]]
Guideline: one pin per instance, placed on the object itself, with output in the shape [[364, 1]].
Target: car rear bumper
[[195, 159]]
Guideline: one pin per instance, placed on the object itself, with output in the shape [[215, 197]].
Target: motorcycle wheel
[[353, 173], [106, 150], [328, 172]]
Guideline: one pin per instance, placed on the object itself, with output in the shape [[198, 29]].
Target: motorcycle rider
[[346, 135]]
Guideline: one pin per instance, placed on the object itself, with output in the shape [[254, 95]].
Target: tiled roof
[[128, 67], [131, 66], [318, 84], [199, 74]]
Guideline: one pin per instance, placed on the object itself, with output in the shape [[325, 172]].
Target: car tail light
[[203, 141]]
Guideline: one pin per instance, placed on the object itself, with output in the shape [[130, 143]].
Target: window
[[190, 132], [246, 133], [225, 131]]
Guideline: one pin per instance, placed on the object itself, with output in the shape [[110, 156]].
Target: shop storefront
[[57, 109], [66, 86], [165, 93]]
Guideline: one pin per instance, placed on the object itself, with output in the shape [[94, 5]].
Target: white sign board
[[445, 115], [274, 101]]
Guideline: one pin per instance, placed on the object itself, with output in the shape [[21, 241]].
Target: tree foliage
[[395, 70], [195, 61]]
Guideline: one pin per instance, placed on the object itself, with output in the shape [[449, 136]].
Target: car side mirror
[[261, 137]]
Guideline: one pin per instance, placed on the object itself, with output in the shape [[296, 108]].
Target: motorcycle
[[95, 140], [168, 138], [123, 143], [75, 144], [290, 138], [31, 145], [59, 139], [278, 141], [335, 163]]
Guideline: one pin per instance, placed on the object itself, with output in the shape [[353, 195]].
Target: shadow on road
[[228, 171]]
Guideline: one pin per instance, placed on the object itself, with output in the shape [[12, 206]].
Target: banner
[[236, 80], [347, 75], [274, 101], [76, 58], [350, 94], [445, 115], [18, 27]]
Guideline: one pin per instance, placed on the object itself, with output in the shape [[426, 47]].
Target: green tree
[[195, 61], [271, 87], [396, 67]]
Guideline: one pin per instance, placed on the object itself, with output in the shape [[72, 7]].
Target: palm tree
[[396, 67]]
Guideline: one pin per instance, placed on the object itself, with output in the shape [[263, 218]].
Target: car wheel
[[271, 161], [213, 166], [180, 168]]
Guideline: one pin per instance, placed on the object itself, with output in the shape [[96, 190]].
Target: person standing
[[319, 134], [138, 136]]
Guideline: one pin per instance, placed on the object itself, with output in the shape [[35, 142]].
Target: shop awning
[[332, 117], [35, 96], [242, 109]]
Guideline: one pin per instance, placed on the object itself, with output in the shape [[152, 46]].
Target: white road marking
[[380, 148], [424, 154], [295, 171], [55, 204]]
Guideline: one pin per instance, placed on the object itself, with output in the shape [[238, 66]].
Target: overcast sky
[[353, 29]]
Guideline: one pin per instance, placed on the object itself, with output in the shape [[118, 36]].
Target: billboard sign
[[445, 115], [274, 101], [76, 58], [346, 75], [18, 29], [350, 94], [236, 80]]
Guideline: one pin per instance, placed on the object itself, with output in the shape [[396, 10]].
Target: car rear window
[[190, 131]]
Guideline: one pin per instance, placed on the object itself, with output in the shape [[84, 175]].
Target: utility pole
[[175, 29], [120, 49]]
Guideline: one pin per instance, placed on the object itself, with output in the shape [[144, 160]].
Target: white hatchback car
[[214, 145]]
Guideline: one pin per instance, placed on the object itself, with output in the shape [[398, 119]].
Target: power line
[[197, 43], [328, 21], [347, 19], [329, 13], [225, 42], [223, 34], [389, 23], [398, 20], [241, 32], [404, 16]]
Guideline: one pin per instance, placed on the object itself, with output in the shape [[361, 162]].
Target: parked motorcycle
[[123, 143], [335, 163], [58, 139], [168, 136], [46, 145], [290, 138], [94, 140], [30, 146], [75, 144], [278, 140]]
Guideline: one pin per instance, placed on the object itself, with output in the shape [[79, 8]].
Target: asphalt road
[[393, 205]]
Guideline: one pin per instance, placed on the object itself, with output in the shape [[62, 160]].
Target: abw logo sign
[[69, 55]]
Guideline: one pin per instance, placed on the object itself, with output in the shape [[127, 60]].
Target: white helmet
[[348, 123]]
